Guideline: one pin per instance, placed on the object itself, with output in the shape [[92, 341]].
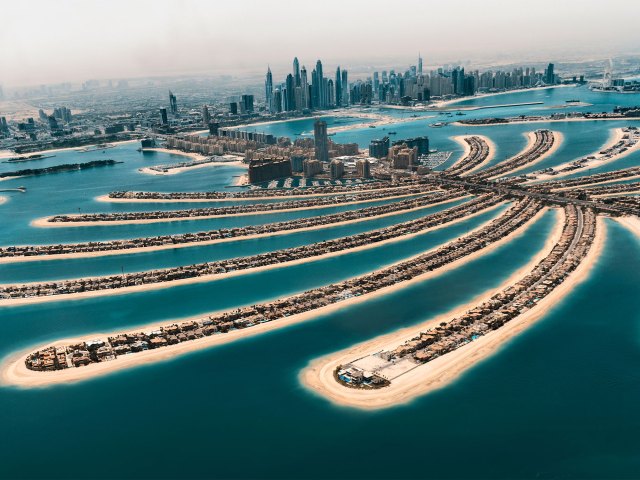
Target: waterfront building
[[321, 140], [266, 170], [403, 157], [421, 143], [345, 88], [379, 148], [363, 167], [290, 94], [337, 169], [549, 76]]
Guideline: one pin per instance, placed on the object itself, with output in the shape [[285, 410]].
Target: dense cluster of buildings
[[170, 241], [255, 261], [299, 92], [249, 316]]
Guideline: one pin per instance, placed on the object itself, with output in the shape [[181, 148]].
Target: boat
[[460, 113], [572, 101], [391, 133], [437, 124], [372, 126]]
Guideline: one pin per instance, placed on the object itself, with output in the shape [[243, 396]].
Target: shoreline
[[221, 276], [177, 170], [44, 222], [467, 149], [44, 152], [446, 103], [615, 136], [548, 120], [631, 223], [558, 139], [107, 199], [125, 251], [13, 370], [441, 372], [194, 155]]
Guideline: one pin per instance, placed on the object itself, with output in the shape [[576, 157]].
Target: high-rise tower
[[296, 71], [322, 101], [268, 90], [338, 85], [321, 140]]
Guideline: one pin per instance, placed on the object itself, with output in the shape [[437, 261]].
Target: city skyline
[[153, 39]]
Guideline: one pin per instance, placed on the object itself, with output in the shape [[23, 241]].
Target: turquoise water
[[558, 401]]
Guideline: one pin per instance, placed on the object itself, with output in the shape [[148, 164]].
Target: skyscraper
[[290, 96], [345, 89], [173, 104], [321, 141], [163, 114], [268, 90], [338, 85], [296, 71], [304, 85], [206, 118], [419, 64], [322, 101], [549, 75]]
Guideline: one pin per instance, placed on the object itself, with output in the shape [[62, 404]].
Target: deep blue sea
[[558, 401]]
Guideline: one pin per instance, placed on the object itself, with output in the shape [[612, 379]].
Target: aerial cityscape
[[225, 252]]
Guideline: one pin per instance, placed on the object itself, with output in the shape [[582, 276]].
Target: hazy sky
[[73, 40]]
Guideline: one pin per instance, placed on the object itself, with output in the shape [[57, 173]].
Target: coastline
[[235, 273], [13, 370], [175, 171], [125, 251], [194, 155], [446, 103], [44, 222], [467, 150], [558, 138], [631, 223], [44, 152], [425, 378], [614, 137], [548, 120]]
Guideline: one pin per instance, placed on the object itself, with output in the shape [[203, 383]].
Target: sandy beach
[[446, 103], [531, 136], [214, 277], [126, 251], [438, 373], [632, 223], [3, 199], [615, 137], [175, 171], [45, 223], [13, 370], [548, 120], [195, 156], [467, 150]]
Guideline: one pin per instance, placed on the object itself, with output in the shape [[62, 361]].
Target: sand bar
[[13, 370], [438, 373]]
